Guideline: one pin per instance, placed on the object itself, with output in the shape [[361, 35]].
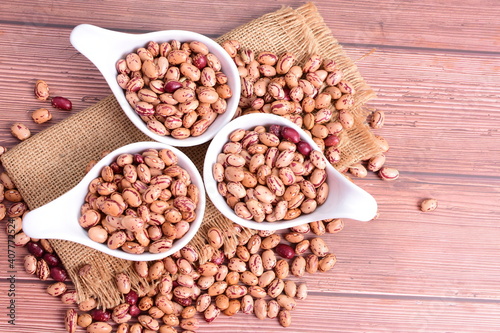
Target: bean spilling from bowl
[[177, 89], [270, 174], [141, 202]]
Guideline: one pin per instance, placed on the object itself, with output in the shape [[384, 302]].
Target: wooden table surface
[[436, 70]]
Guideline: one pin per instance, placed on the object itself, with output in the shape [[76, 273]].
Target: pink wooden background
[[436, 71]]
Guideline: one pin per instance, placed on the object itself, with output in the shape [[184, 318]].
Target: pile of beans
[[315, 96], [253, 279], [176, 88], [270, 174], [141, 202], [308, 95]]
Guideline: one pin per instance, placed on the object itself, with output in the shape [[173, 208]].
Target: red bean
[[276, 130], [131, 298], [134, 311], [51, 259], [285, 251], [290, 134], [172, 86], [304, 148], [61, 103], [200, 61], [100, 315], [332, 141], [35, 249], [59, 274]]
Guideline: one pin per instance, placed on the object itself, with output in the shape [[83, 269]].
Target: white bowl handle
[[94, 42], [357, 204], [55, 219]]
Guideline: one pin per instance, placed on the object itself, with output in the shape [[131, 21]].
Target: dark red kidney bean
[[290, 134], [35, 249], [59, 274], [61, 103], [200, 61], [304, 148], [276, 130], [134, 311], [100, 315], [331, 141], [172, 86], [131, 298], [51, 259], [285, 251]]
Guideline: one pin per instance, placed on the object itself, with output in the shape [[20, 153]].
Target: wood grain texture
[[468, 26], [436, 70]]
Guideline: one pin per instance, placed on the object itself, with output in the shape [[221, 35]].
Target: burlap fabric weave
[[53, 161]]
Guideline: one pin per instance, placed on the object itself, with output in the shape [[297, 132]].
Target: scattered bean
[[20, 131], [41, 115], [428, 205], [388, 173], [41, 90], [61, 103]]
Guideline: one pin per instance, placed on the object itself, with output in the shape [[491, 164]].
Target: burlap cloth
[[53, 161]]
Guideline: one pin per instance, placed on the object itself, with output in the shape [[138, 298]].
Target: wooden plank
[[320, 312], [421, 24], [446, 101], [472, 199]]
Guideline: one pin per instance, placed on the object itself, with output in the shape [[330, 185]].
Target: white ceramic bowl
[[105, 47], [345, 199], [59, 218]]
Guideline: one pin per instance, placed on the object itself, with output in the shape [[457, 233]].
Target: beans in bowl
[[177, 89], [141, 202], [270, 174]]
